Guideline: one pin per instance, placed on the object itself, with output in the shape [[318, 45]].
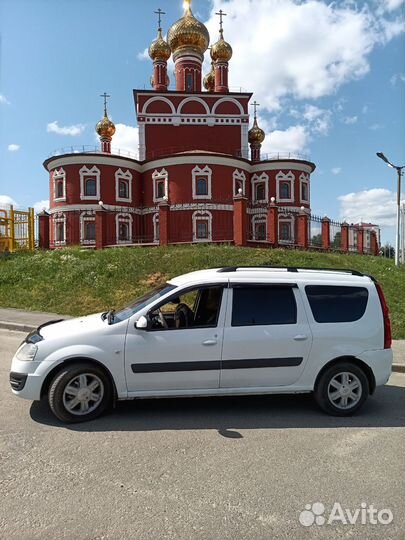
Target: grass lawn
[[77, 281]]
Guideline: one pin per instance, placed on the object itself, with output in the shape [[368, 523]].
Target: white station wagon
[[224, 331]]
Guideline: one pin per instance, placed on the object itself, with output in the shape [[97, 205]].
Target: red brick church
[[199, 175]]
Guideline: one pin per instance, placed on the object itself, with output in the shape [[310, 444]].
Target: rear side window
[[331, 303], [261, 305]]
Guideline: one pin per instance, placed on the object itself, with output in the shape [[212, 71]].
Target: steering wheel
[[162, 320]]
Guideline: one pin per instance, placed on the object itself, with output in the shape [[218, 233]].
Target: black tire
[[58, 393], [334, 374]]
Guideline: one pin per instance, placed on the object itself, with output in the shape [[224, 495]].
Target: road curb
[[17, 327], [398, 368]]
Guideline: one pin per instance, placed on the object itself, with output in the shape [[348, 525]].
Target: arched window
[[201, 178], [90, 231], [239, 181], [87, 228], [59, 189], [260, 188], [160, 185], [90, 187], [285, 186], [286, 229], [202, 226], [260, 191], [59, 185], [123, 189], [124, 228], [89, 183], [59, 221], [259, 228], [202, 186], [285, 190]]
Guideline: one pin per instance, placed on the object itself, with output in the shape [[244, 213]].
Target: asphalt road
[[224, 468]]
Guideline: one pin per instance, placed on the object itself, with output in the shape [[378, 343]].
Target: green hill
[[77, 281]]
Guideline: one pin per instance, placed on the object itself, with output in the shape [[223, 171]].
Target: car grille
[[17, 381]]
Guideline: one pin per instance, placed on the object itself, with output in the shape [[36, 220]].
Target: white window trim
[[59, 218], [256, 179], [202, 215], [59, 175], [206, 172], [259, 218], [304, 179], [125, 218], [281, 177], [84, 173], [121, 175], [85, 217], [156, 176], [156, 228], [283, 218], [239, 176]]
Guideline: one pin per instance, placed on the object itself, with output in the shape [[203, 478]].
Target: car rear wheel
[[342, 389], [79, 392]]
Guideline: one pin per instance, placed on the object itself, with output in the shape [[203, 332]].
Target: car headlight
[[26, 352]]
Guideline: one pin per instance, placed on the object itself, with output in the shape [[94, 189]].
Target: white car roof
[[272, 274]]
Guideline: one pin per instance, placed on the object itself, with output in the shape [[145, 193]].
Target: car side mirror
[[142, 323]]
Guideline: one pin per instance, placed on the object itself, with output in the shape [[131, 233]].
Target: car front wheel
[[79, 392], [342, 389]]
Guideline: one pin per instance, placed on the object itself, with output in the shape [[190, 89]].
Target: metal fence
[[315, 232], [17, 230]]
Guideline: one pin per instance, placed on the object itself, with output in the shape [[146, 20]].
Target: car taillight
[[386, 315]]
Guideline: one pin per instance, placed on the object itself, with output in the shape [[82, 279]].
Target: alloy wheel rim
[[83, 394], [345, 390]]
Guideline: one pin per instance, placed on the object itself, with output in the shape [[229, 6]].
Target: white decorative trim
[[156, 98], [201, 206], [197, 172], [123, 218], [190, 159], [127, 176], [98, 159], [59, 217], [142, 144], [256, 220], [290, 178], [59, 175], [238, 177], [224, 100], [304, 180], [256, 179], [274, 165], [244, 133], [193, 99], [84, 173], [88, 215], [199, 215], [156, 228], [156, 177]]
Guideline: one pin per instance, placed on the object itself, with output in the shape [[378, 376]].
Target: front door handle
[[209, 342], [300, 337]]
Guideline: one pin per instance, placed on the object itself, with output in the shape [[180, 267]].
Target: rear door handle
[[209, 342], [300, 337]]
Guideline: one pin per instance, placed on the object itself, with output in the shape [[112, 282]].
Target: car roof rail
[[292, 269]]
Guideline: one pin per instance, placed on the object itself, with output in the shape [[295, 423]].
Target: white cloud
[[5, 200], [73, 131], [364, 109], [397, 77], [377, 205], [350, 120], [13, 147], [336, 170], [295, 139], [4, 100], [304, 50], [144, 55], [41, 205], [126, 138], [388, 5]]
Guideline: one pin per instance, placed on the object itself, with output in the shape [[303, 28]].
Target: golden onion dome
[[256, 134], [105, 128], [209, 79], [159, 49], [188, 34], [221, 50]]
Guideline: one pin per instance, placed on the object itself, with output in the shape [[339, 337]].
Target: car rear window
[[263, 305], [330, 303]]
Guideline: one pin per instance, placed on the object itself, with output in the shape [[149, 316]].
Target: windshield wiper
[[110, 316]]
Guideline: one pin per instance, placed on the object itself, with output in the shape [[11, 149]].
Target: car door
[[159, 360], [267, 338]]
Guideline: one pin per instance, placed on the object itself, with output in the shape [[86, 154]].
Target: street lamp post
[[399, 172]]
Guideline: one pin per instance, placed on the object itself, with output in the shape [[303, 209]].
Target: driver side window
[[195, 308]]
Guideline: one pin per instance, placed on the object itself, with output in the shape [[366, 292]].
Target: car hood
[[70, 327]]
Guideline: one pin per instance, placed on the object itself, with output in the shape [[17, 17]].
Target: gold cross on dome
[[159, 13], [221, 14], [105, 96], [255, 105]]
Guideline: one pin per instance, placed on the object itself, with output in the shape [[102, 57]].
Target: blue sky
[[330, 78]]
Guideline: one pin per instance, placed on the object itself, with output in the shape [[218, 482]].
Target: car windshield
[[142, 301]]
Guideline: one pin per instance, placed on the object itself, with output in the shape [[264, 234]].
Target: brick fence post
[[43, 230], [101, 218], [326, 233], [164, 219], [360, 240], [374, 248], [272, 223], [302, 229], [239, 220], [344, 240]]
